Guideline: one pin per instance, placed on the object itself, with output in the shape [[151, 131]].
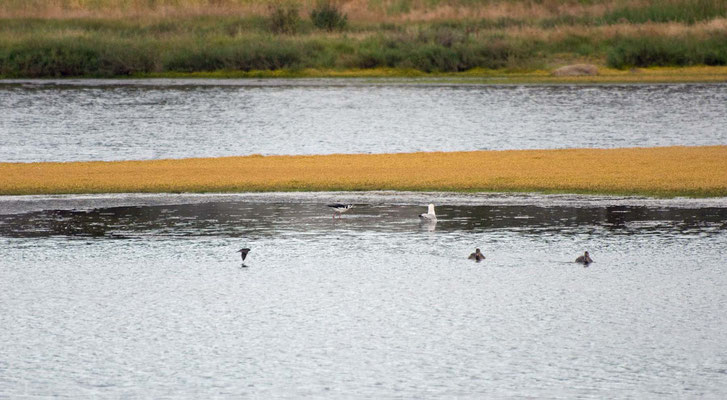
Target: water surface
[[144, 296], [131, 119]]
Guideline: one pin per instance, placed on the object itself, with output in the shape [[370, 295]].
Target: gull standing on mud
[[340, 208], [430, 215]]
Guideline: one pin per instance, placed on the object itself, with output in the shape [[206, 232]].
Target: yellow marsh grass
[[665, 171]]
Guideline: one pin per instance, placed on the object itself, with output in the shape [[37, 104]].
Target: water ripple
[[121, 120]]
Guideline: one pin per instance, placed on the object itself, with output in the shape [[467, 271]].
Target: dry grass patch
[[362, 10], [577, 70], [666, 171]]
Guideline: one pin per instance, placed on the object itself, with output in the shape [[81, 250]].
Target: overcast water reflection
[[144, 296], [71, 120]]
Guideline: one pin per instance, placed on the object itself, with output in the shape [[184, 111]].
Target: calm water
[[143, 296], [115, 120]]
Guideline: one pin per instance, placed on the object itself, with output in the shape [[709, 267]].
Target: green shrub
[[327, 15], [69, 57], [238, 55], [50, 60], [198, 59], [266, 56], [430, 56], [284, 17], [667, 51], [583, 45]]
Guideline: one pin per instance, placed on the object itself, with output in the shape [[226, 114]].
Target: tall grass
[[428, 50], [104, 57], [67, 57], [649, 51], [242, 55], [669, 11]]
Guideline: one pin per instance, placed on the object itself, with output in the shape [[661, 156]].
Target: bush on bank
[[114, 49], [668, 51]]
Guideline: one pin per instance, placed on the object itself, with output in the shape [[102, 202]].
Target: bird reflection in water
[[428, 225]]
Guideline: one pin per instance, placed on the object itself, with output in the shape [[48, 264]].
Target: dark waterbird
[[585, 259], [477, 256], [243, 253]]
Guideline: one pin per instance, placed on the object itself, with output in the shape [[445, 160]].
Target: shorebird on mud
[[339, 208]]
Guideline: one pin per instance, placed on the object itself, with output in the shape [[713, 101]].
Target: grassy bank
[[475, 76], [102, 38], [666, 171]]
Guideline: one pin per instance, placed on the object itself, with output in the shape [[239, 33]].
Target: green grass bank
[[163, 38]]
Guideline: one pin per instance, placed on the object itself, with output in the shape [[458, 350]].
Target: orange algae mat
[[659, 171]]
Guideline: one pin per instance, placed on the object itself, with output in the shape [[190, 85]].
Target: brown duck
[[585, 259], [477, 256]]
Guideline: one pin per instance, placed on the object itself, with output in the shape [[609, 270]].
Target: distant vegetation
[[327, 15], [103, 38], [284, 17]]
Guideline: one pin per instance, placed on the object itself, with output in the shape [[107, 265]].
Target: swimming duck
[[585, 259], [477, 256]]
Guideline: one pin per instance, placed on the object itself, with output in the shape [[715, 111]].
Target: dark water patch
[[254, 219]]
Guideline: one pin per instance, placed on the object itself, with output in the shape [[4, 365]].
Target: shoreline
[[694, 74], [33, 203], [699, 172]]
